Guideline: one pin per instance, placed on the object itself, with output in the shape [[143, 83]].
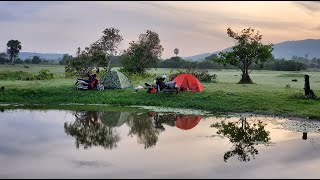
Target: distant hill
[[287, 49], [48, 56]]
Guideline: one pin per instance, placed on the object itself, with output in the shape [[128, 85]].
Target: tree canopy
[[13, 49], [142, 54], [248, 53]]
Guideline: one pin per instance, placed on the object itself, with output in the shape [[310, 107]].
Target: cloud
[[310, 7], [317, 28], [21, 11], [193, 27]]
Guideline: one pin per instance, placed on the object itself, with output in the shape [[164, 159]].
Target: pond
[[149, 144]]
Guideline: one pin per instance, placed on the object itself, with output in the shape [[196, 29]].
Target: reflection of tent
[[187, 121], [114, 118], [188, 81], [115, 80]]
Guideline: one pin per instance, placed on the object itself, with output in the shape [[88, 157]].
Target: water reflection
[[244, 136], [89, 131], [92, 128], [141, 126], [148, 126], [39, 138], [184, 122]]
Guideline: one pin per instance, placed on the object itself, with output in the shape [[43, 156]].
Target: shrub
[[201, 74], [44, 74]]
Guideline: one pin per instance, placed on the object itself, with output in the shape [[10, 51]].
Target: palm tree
[[176, 51], [13, 48]]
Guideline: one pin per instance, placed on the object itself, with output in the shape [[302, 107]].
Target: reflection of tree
[[141, 126], [244, 137], [89, 131]]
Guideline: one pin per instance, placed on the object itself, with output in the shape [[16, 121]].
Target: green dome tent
[[115, 80]]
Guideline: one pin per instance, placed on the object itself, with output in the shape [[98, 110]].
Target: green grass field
[[274, 92]]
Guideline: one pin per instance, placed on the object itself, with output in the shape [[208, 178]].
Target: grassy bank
[[274, 94]]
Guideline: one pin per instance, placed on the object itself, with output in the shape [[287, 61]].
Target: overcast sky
[[193, 27]]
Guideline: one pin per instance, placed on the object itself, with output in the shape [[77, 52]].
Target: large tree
[[80, 65], [248, 53], [108, 45], [142, 54], [98, 54], [13, 49]]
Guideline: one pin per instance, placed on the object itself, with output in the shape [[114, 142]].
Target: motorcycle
[[160, 85], [89, 84], [170, 87]]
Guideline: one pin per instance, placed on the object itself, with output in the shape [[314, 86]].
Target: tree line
[[247, 54]]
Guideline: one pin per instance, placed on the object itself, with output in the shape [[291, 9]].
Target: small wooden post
[[307, 91], [304, 135]]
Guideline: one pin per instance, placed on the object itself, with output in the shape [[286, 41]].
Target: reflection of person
[[155, 121]]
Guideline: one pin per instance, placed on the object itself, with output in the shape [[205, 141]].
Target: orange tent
[[188, 81], [187, 122]]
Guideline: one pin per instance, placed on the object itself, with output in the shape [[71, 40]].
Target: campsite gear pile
[[160, 85], [89, 84], [182, 83]]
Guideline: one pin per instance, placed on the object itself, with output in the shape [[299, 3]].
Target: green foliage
[[202, 75], [44, 74], [143, 54], [211, 57], [13, 49], [65, 59], [80, 65], [98, 54], [107, 46], [269, 96], [247, 54], [27, 61], [14, 75], [36, 60], [19, 61], [136, 76], [285, 65]]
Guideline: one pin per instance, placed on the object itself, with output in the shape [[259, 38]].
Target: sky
[[194, 27]]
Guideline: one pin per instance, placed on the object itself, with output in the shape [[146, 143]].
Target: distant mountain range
[[287, 49], [47, 56]]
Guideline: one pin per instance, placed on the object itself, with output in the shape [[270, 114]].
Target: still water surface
[[115, 144]]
